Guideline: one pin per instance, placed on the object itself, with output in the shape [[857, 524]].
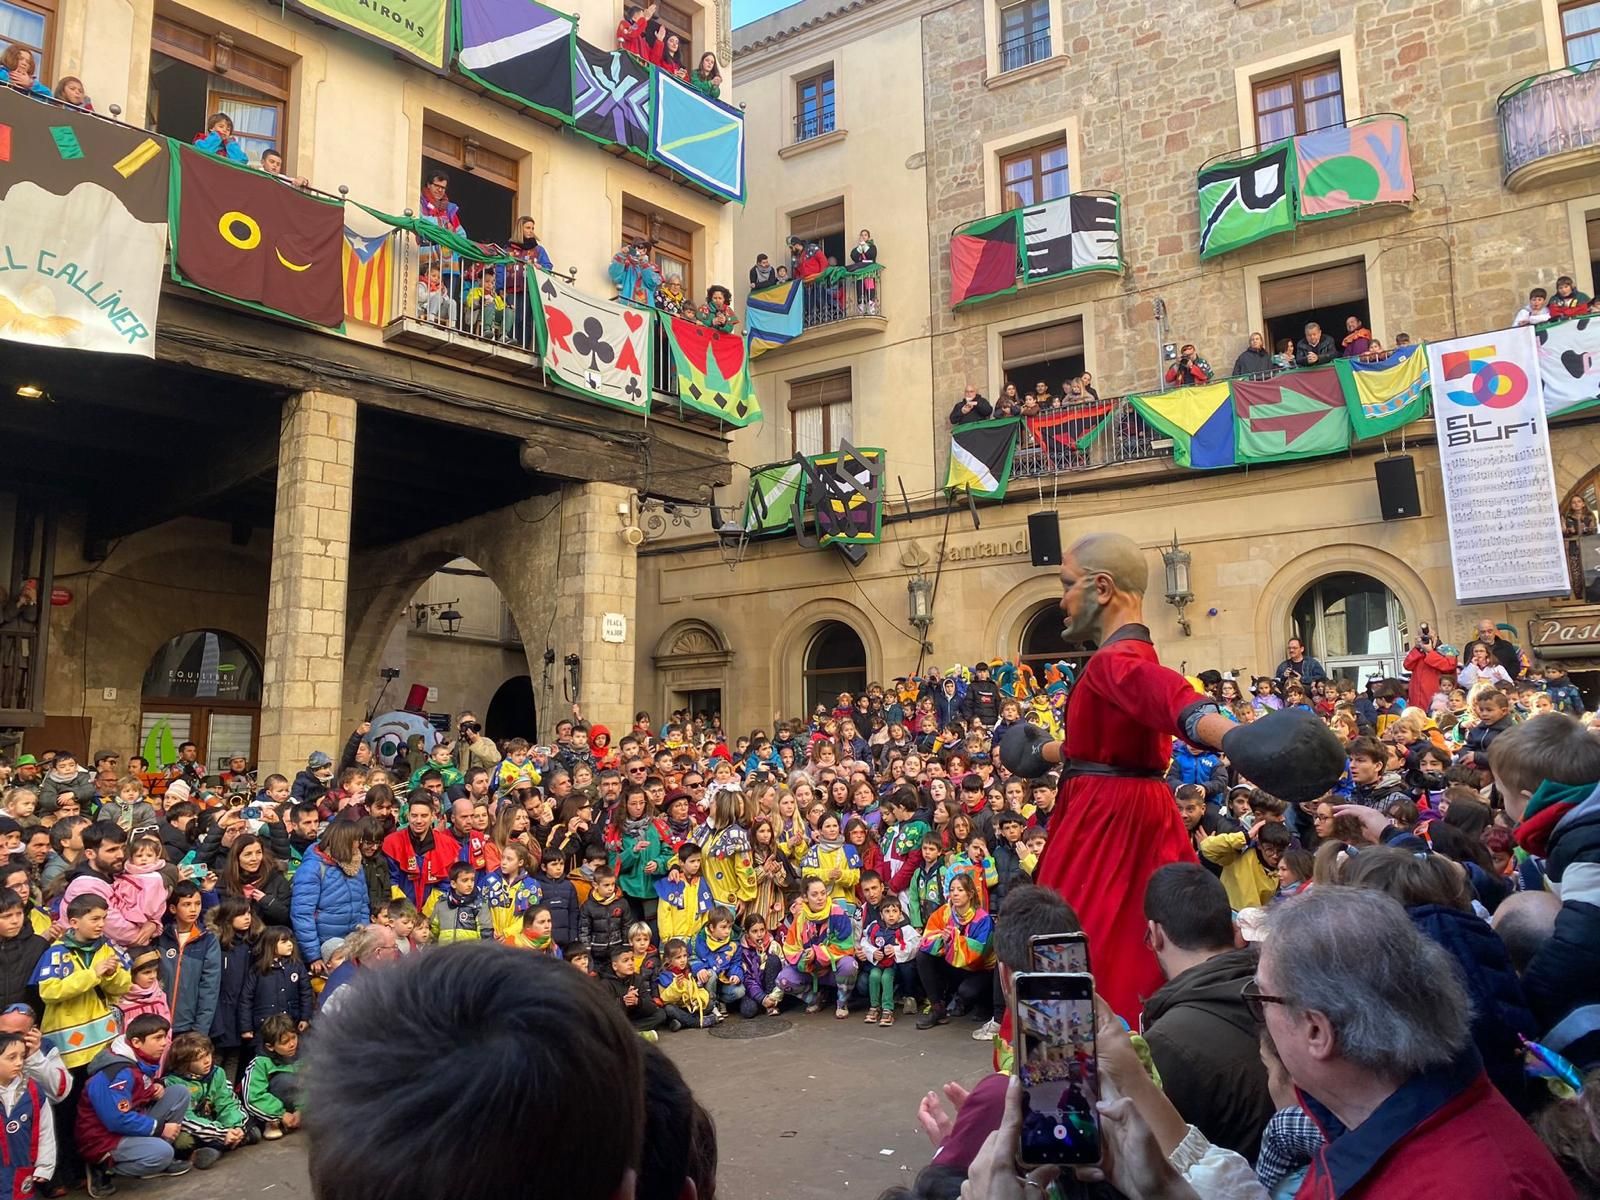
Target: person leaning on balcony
[[18, 69], [1009, 404], [1190, 368], [272, 164], [762, 274], [1315, 349], [707, 77], [1568, 300], [971, 407], [1357, 338], [1536, 311], [718, 311], [1089, 392], [218, 139], [1254, 358]]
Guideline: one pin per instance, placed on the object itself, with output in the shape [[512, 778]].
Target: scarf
[[680, 830], [635, 829], [821, 844], [56, 776]]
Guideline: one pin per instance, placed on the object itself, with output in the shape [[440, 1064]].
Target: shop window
[[1034, 175], [1580, 530], [194, 74], [835, 662], [1354, 625], [1326, 295], [821, 412], [1299, 101], [1049, 354], [203, 686]]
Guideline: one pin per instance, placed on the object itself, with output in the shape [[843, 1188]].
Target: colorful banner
[[1072, 234], [698, 137], [774, 492], [1348, 167], [774, 316], [83, 229], [1384, 395], [611, 97], [985, 258], [842, 494], [1244, 201], [599, 348], [1499, 479], [713, 371], [248, 237], [1569, 365], [1199, 420], [519, 49], [368, 277], [415, 29], [1300, 414], [1060, 433], [980, 457]]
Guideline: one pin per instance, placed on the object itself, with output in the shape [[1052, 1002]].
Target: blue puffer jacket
[[325, 903], [1197, 766], [1499, 1009]]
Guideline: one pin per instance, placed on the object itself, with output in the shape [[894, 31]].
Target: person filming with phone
[[1431, 665]]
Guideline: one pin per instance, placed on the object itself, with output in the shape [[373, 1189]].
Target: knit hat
[[318, 760], [149, 957], [331, 946], [179, 790]]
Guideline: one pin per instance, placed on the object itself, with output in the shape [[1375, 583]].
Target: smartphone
[[1059, 952], [1052, 1024]]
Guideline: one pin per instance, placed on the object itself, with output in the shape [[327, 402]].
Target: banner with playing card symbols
[[598, 348]]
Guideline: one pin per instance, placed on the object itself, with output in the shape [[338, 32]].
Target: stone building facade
[[1126, 100]]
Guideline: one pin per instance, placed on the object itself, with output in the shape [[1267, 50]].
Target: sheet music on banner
[[1499, 477]]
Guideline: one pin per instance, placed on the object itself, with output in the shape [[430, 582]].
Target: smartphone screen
[[1055, 1055], [1060, 952]]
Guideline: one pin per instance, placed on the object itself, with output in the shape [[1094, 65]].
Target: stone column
[[598, 574], [303, 668]]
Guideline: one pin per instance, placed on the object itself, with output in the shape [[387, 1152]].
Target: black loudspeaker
[[1397, 488], [1044, 539]]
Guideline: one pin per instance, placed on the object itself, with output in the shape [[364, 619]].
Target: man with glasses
[[1372, 1023]]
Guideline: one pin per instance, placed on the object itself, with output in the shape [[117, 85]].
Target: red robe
[[1109, 835]]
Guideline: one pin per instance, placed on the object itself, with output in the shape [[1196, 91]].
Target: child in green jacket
[[270, 1089], [215, 1120]]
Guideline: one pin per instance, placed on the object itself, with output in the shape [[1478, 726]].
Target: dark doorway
[[835, 662], [487, 208], [1042, 643], [705, 704], [513, 712]]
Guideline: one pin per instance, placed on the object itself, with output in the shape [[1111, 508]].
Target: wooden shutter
[[190, 45], [818, 222], [820, 389], [1342, 284], [1061, 340]]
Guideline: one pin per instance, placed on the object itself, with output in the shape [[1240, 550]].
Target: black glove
[[1021, 750], [1289, 753]]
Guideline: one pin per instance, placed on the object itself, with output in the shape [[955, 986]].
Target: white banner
[[598, 347], [1499, 481]]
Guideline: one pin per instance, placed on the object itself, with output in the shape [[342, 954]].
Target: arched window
[[1042, 643], [1354, 625], [1581, 532], [203, 686], [836, 661]]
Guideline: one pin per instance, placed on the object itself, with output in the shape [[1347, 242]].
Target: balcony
[[457, 320], [1062, 240], [1362, 166], [839, 304], [1024, 50], [1550, 126], [1048, 445]]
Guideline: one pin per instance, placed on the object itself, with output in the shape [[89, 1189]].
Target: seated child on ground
[[215, 1119], [271, 1089]]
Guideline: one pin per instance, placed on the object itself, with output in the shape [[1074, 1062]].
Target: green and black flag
[[980, 457]]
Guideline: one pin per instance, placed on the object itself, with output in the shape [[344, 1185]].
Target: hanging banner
[[1348, 166], [599, 348], [774, 491], [414, 29], [1569, 365], [83, 228], [713, 370], [1499, 480], [1247, 200], [698, 136], [520, 50], [842, 494], [611, 97]]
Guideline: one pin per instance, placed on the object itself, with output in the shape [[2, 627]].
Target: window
[[824, 225], [1034, 175], [27, 23], [1326, 295], [679, 21], [194, 74], [836, 661], [1580, 31], [813, 115], [1024, 34], [672, 245], [1048, 354], [1303, 100], [1354, 625], [820, 415], [482, 183], [1581, 534]]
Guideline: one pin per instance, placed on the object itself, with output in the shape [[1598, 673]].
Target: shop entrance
[[204, 687]]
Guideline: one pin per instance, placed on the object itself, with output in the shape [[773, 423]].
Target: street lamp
[[1176, 561], [919, 597], [732, 538]]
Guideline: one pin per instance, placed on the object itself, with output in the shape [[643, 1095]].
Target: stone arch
[[1002, 632], [1275, 604], [793, 636]]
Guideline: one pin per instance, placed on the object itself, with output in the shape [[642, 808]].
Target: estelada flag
[[250, 237], [367, 269]]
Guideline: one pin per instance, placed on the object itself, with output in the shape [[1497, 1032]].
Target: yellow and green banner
[[414, 29]]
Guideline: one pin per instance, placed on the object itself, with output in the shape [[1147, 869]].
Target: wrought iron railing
[[1548, 115], [840, 294], [813, 122], [1024, 49], [481, 302], [1049, 446]]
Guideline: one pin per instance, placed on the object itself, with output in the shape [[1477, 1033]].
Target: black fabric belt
[[1079, 766]]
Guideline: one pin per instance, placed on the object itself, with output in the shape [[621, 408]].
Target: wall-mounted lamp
[[1176, 561]]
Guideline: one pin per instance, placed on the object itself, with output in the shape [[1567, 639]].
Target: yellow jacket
[[79, 1014], [1244, 877]]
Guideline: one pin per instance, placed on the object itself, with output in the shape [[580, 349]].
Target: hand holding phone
[[1053, 1032]]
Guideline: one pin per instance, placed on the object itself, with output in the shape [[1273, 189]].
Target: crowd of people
[[166, 935], [831, 293], [1314, 348]]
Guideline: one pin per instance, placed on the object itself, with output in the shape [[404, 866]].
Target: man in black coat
[[20, 951], [971, 407], [1315, 349], [1202, 1037], [982, 701]]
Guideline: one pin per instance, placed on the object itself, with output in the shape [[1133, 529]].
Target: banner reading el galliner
[[83, 204], [1494, 454], [252, 238]]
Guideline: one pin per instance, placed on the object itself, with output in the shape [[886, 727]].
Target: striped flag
[[980, 457], [368, 282]]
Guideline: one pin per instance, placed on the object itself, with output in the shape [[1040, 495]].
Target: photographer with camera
[[1429, 663], [472, 748], [1190, 369]]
